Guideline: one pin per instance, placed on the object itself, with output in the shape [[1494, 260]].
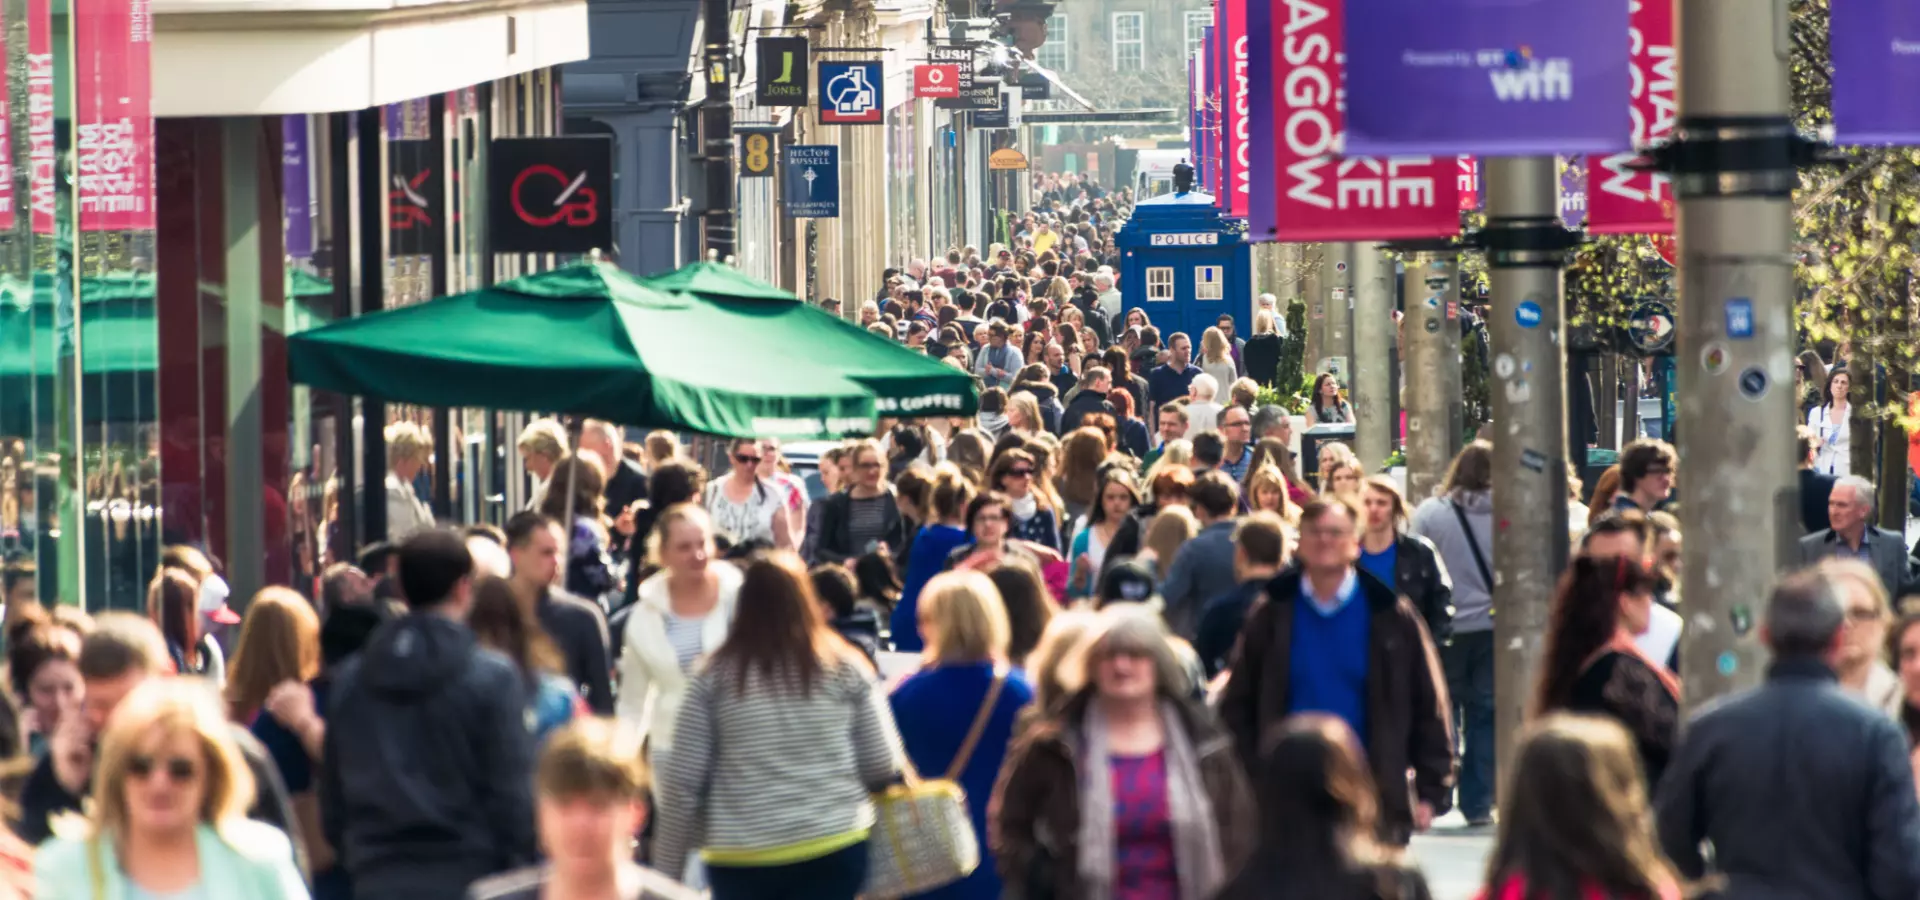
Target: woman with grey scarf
[[1129, 789]]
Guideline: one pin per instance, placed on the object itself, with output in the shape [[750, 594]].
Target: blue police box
[[1185, 264]]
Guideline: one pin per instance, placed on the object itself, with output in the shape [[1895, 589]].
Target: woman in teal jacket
[[171, 795]]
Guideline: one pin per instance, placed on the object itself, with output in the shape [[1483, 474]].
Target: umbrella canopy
[[589, 340], [769, 320]]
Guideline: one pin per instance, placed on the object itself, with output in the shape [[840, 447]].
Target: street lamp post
[[1526, 246], [1372, 355], [1732, 163], [1430, 350]]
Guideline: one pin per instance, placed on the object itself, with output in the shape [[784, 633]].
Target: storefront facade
[[204, 227]]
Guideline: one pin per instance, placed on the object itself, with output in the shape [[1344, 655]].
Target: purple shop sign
[[1488, 77], [1876, 63], [296, 173]]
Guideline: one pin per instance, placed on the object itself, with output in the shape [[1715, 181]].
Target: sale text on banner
[[1303, 189], [1513, 78], [113, 75], [1622, 199], [1876, 65]]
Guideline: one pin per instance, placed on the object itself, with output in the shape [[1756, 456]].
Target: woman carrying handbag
[[964, 624]]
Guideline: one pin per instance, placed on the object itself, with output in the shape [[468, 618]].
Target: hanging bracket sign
[[551, 194]]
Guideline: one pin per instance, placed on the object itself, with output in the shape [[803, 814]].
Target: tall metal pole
[[1336, 351], [1526, 246], [1429, 349], [1372, 355], [716, 130], [1733, 172]]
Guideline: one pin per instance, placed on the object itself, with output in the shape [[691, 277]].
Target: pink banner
[[1469, 183], [40, 152], [113, 156], [1318, 195], [1234, 124], [1620, 199]]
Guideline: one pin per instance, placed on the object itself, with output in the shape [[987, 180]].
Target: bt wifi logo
[[1518, 77]]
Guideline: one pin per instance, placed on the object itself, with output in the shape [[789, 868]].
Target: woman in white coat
[[683, 614]]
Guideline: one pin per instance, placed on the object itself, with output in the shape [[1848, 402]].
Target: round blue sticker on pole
[[1528, 314]]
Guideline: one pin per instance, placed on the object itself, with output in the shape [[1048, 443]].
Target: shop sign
[[811, 180], [852, 93], [994, 116], [937, 81], [1185, 239], [781, 79], [551, 194], [756, 155], [1007, 159], [415, 207]]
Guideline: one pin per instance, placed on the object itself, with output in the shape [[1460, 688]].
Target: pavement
[[1454, 857]]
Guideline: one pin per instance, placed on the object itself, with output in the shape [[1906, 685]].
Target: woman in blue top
[[946, 530], [964, 681]]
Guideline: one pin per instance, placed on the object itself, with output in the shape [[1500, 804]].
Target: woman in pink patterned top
[[1137, 791]]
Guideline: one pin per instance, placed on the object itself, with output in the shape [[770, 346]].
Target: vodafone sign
[[937, 81], [1317, 195]]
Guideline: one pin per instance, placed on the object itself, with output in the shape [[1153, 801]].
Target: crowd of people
[[1107, 633]]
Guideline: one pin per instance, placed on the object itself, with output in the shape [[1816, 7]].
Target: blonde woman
[[1216, 358], [964, 678], [1170, 529], [1862, 664], [542, 445], [683, 615], [169, 814], [1023, 414], [409, 449], [1262, 353], [1267, 490]]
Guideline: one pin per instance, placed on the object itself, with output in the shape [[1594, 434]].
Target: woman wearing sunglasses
[[169, 817], [1035, 519], [745, 506]]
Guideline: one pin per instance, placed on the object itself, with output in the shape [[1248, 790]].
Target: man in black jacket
[[1815, 487], [1095, 383], [426, 779], [1803, 790], [578, 627], [122, 652]]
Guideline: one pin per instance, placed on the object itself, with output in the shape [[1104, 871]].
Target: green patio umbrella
[[589, 340], [767, 319]]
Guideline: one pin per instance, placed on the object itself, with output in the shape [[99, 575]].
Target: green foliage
[[1293, 349]]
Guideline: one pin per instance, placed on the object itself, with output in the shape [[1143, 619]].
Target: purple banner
[[1206, 142], [1193, 119], [1261, 206], [296, 173], [1488, 77], [1876, 61]]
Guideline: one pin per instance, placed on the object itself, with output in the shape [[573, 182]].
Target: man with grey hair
[[1109, 302], [1802, 790], [1854, 536]]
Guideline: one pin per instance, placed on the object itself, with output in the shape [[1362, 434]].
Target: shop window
[[1160, 283], [1209, 283]]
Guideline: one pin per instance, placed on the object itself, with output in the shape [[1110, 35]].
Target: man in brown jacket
[[1327, 638]]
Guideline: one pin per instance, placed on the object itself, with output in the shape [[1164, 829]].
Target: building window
[[1053, 54], [1197, 22], [1160, 283], [1129, 41], [1209, 283]]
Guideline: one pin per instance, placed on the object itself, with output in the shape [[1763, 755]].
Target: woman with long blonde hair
[[1166, 534], [683, 615], [1216, 358], [169, 812], [279, 642], [1267, 490]]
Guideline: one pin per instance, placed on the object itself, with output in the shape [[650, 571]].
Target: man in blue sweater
[[1324, 640], [1172, 379]]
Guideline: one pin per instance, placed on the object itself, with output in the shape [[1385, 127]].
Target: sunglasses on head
[[178, 769]]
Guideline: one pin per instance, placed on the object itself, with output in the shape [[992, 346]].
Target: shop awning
[[591, 340]]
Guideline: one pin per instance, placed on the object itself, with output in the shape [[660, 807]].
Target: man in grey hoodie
[[1459, 522]]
